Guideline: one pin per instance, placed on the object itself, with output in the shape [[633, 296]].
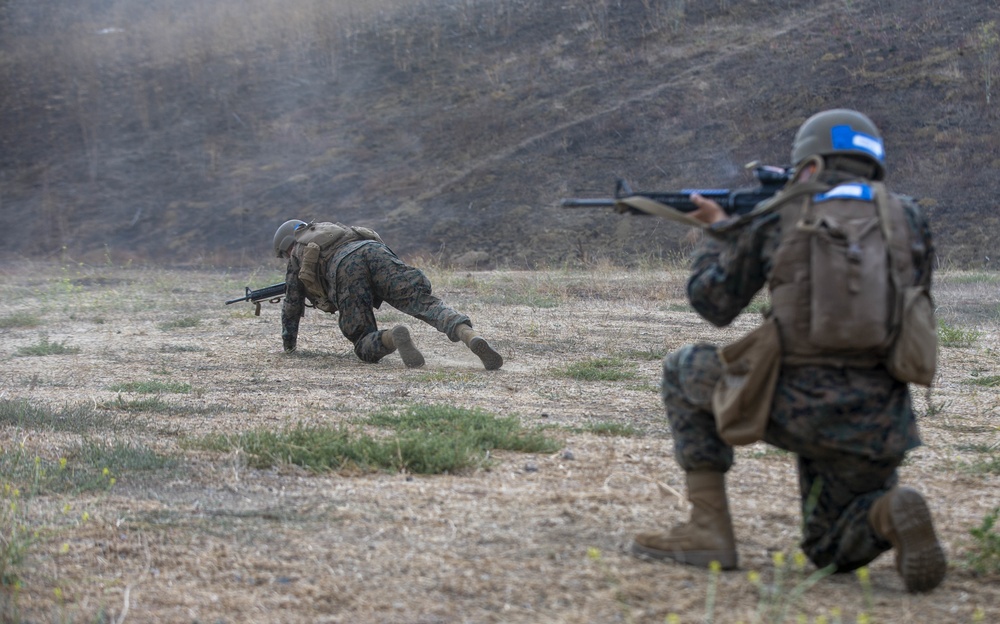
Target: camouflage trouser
[[837, 487], [373, 274]]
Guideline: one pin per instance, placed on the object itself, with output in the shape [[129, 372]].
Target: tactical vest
[[843, 256], [317, 244]]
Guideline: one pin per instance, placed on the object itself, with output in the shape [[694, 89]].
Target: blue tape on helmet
[[846, 138]]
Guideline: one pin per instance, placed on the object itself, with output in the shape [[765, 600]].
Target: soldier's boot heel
[[489, 356], [412, 358], [902, 517]]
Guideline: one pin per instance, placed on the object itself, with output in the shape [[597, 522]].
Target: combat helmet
[[284, 237], [840, 132]]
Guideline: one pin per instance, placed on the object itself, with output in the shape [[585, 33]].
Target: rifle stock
[[734, 202]]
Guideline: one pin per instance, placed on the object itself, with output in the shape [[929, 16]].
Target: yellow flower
[[594, 554], [62, 463], [85, 516], [58, 592], [673, 618], [863, 574], [714, 567], [863, 618], [779, 559], [800, 559], [105, 472], [979, 615], [112, 481], [64, 548], [66, 508], [754, 577]]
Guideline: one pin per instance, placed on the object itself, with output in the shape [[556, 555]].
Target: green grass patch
[[422, 440], [974, 278], [951, 336], [81, 418], [181, 323], [610, 429], [120, 456], [984, 557], [981, 447], [80, 470], [151, 387], [986, 381], [987, 465], [650, 355], [599, 369], [44, 347], [20, 320], [154, 404], [758, 304], [679, 307]]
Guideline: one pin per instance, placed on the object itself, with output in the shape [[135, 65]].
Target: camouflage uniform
[[850, 428], [361, 275]]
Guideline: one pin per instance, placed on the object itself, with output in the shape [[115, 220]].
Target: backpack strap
[[899, 268]]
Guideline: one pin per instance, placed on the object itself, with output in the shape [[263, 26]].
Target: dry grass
[[209, 540]]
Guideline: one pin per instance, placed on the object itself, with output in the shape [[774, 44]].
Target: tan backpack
[[863, 297]]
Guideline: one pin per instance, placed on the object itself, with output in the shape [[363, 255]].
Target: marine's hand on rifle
[[707, 210]]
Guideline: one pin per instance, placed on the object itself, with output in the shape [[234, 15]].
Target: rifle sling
[[655, 208]]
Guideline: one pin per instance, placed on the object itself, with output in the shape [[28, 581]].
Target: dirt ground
[[531, 538]]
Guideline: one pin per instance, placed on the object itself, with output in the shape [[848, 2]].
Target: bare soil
[[531, 538]]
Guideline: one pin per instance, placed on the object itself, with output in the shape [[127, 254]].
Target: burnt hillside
[[183, 133]]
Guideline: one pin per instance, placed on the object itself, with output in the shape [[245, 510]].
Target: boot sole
[[728, 560], [412, 358], [920, 559], [490, 358]]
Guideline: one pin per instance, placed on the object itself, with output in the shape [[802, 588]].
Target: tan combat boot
[[706, 537], [399, 338], [901, 517], [478, 345]]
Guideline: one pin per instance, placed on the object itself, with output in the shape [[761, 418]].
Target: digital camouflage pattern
[[360, 277], [850, 428]]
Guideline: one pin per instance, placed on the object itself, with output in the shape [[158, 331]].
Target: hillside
[[183, 133]]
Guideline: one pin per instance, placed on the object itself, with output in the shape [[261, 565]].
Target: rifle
[[272, 293], [734, 202]]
